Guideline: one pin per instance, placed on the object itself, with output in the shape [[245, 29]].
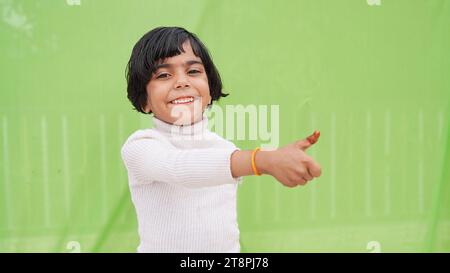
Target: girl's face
[[178, 91]]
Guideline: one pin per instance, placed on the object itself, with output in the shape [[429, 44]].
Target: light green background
[[373, 79]]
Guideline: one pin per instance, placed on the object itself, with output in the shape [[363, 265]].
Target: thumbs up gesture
[[290, 165]]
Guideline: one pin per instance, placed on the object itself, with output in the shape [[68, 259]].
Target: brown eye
[[162, 75], [193, 71]]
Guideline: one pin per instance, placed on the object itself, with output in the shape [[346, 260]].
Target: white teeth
[[183, 100]]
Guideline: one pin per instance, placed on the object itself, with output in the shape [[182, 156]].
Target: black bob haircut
[[156, 45]]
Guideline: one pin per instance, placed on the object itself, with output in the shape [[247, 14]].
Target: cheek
[[156, 93], [203, 87]]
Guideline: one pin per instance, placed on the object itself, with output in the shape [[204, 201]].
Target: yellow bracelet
[[255, 171]]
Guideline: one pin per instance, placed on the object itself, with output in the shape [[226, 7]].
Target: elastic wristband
[[255, 170]]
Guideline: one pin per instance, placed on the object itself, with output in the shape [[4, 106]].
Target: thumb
[[309, 141]]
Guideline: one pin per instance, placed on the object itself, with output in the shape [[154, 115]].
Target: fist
[[292, 166]]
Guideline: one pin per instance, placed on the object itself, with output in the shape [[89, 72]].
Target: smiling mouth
[[184, 100]]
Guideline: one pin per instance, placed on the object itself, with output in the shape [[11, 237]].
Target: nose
[[182, 82]]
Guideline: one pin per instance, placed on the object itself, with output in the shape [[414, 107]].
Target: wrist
[[263, 161]]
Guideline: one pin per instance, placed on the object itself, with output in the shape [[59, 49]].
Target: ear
[[147, 107]]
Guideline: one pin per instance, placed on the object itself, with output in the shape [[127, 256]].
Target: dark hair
[[156, 45]]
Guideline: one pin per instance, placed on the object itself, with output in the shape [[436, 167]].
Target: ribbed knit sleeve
[[148, 160]]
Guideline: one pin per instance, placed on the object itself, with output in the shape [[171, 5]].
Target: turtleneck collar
[[196, 128]]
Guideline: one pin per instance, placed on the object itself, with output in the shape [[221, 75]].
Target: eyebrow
[[188, 63]]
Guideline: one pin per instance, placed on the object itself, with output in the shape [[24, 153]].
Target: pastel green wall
[[374, 79]]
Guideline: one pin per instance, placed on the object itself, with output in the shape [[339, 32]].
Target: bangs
[[169, 45]]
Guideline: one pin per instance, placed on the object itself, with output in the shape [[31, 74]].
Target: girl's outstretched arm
[[149, 160]]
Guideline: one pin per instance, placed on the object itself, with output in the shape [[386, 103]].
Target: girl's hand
[[290, 164]]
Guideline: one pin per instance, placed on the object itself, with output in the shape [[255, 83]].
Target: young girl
[[183, 178]]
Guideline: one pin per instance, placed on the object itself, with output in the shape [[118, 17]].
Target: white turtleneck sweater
[[182, 188]]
